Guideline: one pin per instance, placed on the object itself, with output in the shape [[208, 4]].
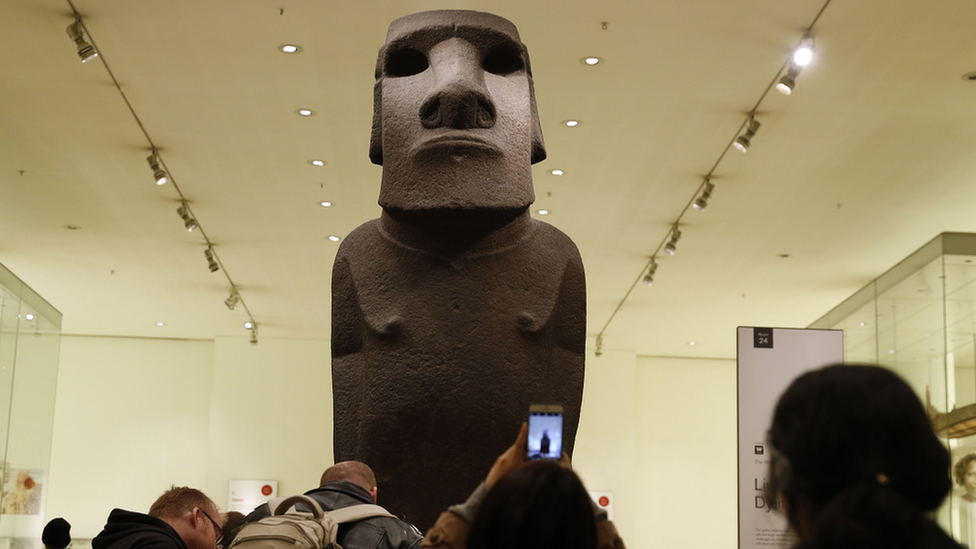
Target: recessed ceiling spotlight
[[591, 61], [305, 112], [160, 324], [248, 325], [571, 123], [29, 316], [291, 48], [891, 351], [862, 324], [692, 343], [318, 163], [334, 238], [556, 172], [543, 212], [326, 204]]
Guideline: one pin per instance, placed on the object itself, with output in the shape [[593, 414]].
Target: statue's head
[[455, 124]]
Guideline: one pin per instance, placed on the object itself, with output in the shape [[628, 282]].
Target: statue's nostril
[[456, 107], [430, 113], [486, 114]]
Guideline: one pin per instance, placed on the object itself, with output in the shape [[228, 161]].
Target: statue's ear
[[538, 144], [376, 135]]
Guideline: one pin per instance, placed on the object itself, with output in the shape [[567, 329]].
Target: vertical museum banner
[[769, 359]]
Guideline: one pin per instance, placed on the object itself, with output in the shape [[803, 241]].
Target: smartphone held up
[[545, 432]]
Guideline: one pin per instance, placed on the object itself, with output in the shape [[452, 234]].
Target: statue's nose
[[459, 98]]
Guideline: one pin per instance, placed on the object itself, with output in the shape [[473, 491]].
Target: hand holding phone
[[545, 440], [510, 459]]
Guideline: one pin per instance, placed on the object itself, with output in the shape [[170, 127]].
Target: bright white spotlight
[[803, 54]]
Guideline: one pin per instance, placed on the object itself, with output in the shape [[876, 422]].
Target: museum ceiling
[[868, 159]]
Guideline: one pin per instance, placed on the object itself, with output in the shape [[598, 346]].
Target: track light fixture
[[159, 174], [803, 54], [188, 221], [672, 244], [85, 50], [788, 81], [232, 299], [743, 142], [649, 277], [211, 262], [254, 331], [599, 345], [702, 201]]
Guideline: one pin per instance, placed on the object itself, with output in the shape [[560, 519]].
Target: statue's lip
[[458, 138]]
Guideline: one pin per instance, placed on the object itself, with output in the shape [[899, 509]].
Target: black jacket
[[371, 533], [129, 530]]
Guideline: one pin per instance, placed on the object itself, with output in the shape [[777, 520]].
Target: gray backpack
[[288, 528]]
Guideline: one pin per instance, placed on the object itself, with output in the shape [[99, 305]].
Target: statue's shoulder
[[363, 238], [552, 240]]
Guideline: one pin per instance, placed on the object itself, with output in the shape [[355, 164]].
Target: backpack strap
[[280, 506], [352, 513]]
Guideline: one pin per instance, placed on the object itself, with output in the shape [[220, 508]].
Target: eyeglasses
[[217, 529]]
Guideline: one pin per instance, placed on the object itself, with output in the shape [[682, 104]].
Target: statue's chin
[[457, 218]]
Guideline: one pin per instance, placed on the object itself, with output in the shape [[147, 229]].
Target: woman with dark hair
[[855, 462], [534, 505]]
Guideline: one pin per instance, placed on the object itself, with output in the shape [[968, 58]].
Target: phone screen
[[545, 431]]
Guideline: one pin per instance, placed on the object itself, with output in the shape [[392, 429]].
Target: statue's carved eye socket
[[503, 59], [405, 62]]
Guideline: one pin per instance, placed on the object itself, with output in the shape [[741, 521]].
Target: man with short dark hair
[[351, 483], [181, 518]]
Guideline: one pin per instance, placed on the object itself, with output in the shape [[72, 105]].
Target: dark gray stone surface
[[455, 310]]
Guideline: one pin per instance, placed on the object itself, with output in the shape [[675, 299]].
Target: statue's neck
[[451, 233]]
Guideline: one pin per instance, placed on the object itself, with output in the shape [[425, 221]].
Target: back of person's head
[[853, 449], [352, 471], [56, 534], [178, 500], [539, 505], [231, 524]]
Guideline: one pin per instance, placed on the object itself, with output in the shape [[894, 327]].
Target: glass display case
[[919, 319], [30, 341]]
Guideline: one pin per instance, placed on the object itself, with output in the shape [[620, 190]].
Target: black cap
[[57, 534]]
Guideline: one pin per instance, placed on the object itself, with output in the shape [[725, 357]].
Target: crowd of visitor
[[854, 463]]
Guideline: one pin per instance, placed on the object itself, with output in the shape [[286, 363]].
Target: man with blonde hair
[[181, 518], [351, 483]]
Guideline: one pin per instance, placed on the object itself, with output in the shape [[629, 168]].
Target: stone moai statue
[[454, 310]]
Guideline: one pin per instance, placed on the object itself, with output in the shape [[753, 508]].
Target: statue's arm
[[570, 315], [569, 349], [347, 362]]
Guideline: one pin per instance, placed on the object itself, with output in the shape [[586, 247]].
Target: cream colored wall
[[131, 418], [270, 414], [660, 433], [687, 453], [136, 415]]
